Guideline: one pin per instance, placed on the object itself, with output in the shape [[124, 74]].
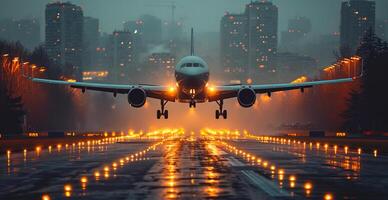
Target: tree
[[368, 108]]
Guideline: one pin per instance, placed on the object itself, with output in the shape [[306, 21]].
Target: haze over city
[[202, 14]]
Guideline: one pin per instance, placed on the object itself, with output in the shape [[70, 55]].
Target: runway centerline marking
[[266, 185]]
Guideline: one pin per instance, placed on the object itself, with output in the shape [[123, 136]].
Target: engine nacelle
[[137, 97], [246, 97]]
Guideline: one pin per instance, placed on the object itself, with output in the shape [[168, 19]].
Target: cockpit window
[[192, 65]]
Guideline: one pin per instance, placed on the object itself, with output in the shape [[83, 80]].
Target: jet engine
[[137, 97], [246, 97]]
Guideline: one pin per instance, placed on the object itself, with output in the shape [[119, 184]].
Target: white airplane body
[[192, 76]]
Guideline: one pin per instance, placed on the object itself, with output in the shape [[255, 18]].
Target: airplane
[[192, 87]]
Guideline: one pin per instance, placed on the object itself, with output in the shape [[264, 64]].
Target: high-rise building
[[124, 59], [293, 65], [162, 63], [136, 28], [91, 36], [249, 40], [26, 31], [234, 44], [151, 29], [64, 34], [357, 18], [298, 28], [262, 35], [382, 29]]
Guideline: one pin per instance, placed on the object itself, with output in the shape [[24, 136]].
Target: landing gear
[[221, 111], [192, 104], [162, 111]]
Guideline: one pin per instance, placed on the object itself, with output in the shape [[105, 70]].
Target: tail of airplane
[[192, 42]]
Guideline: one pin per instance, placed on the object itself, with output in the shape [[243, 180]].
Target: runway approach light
[[67, 188], [328, 197], [46, 197], [308, 186], [84, 179]]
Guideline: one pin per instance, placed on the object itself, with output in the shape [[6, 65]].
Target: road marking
[[235, 163], [266, 185]]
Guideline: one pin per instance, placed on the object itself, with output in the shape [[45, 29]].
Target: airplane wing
[[230, 91], [152, 91]]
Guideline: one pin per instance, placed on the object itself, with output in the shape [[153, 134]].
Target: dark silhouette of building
[[91, 36], [64, 34], [26, 31], [104, 52], [124, 59], [294, 65], [357, 18], [262, 35], [234, 44], [162, 64], [136, 28], [249, 40], [151, 29], [382, 29], [298, 28]]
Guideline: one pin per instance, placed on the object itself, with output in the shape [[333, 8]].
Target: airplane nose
[[192, 71]]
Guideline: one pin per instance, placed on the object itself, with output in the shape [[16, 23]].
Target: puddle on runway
[[188, 170]]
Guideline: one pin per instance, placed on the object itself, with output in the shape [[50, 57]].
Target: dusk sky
[[204, 15]]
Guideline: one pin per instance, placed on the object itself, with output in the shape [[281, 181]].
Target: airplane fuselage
[[192, 76]]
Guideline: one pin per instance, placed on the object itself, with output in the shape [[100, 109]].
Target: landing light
[[171, 89], [211, 89]]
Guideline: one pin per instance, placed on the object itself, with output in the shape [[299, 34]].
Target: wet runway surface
[[188, 167]]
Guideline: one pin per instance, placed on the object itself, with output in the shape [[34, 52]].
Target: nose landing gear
[[221, 111], [192, 104], [162, 111]]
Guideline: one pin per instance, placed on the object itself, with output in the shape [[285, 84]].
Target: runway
[[192, 166]]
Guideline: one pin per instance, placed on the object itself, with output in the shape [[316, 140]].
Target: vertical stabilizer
[[192, 42]]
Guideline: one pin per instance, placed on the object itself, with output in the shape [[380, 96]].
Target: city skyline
[[317, 12]]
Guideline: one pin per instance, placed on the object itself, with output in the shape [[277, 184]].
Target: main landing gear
[[221, 111], [162, 112]]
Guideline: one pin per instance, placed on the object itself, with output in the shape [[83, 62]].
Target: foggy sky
[[203, 15]]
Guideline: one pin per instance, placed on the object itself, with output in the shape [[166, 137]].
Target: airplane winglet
[[359, 76]]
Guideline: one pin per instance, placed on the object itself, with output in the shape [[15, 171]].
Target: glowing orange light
[[71, 80], [328, 197], [46, 197], [308, 186], [84, 179], [67, 188]]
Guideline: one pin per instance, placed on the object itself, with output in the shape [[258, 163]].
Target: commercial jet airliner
[[192, 76]]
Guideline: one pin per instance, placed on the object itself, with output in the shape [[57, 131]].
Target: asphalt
[[192, 169]]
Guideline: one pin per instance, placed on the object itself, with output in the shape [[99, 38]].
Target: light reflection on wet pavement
[[192, 168]]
